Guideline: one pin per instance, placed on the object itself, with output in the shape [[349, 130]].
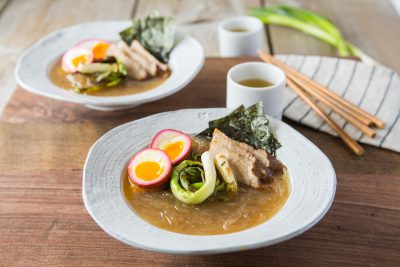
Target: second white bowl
[[32, 71]]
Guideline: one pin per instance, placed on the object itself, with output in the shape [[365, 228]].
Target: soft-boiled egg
[[175, 143], [98, 47], [150, 168], [75, 56]]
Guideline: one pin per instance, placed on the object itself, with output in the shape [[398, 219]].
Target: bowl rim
[[230, 247]]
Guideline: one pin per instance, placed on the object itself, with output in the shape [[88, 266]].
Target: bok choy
[[193, 182]]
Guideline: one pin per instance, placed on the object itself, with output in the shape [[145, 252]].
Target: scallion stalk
[[310, 23]]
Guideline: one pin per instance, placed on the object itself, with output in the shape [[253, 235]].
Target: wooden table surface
[[43, 221], [43, 143]]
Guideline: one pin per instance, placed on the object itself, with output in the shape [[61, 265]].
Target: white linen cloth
[[375, 89]]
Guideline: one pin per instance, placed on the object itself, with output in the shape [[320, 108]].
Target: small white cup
[[271, 96], [233, 43]]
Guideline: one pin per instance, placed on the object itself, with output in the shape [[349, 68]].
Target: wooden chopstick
[[359, 123], [308, 87], [311, 89], [342, 111], [362, 115], [353, 145]]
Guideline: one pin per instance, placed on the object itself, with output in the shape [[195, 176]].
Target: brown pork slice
[[137, 47], [252, 167]]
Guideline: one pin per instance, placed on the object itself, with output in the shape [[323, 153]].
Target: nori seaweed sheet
[[156, 34], [249, 125]]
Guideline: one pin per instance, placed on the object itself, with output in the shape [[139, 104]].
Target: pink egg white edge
[[156, 182], [89, 44], [64, 61], [186, 138]]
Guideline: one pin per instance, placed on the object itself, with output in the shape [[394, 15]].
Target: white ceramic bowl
[[186, 60], [312, 179]]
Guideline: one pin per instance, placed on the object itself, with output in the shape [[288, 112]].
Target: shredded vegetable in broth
[[249, 208], [128, 87]]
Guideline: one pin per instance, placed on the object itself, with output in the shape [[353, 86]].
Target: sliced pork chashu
[[140, 64], [252, 167]]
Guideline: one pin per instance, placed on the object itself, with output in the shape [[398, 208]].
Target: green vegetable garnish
[[186, 176], [225, 171], [191, 177], [97, 67], [155, 33], [310, 23], [102, 74], [249, 125]]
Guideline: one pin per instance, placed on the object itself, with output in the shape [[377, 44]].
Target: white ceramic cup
[[271, 96], [233, 43]]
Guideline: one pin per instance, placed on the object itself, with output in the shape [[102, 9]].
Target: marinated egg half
[[150, 168], [75, 56], [175, 143], [98, 47]]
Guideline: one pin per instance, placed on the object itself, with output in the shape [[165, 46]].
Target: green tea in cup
[[238, 29], [255, 83]]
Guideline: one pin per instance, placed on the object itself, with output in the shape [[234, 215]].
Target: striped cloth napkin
[[375, 89]]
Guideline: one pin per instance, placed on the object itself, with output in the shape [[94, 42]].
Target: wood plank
[[198, 18], [3, 4], [47, 146], [288, 41], [43, 221], [38, 227], [23, 22]]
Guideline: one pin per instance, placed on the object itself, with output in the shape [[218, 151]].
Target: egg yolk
[[148, 170], [173, 150], [99, 50], [79, 59]]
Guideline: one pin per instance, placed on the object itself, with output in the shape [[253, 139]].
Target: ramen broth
[[64, 80], [249, 208]]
